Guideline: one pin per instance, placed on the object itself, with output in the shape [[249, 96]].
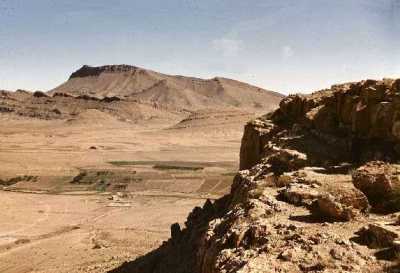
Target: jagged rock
[[287, 255], [175, 232], [285, 160], [254, 139], [40, 94], [380, 182], [5, 109], [304, 176], [329, 206], [381, 234], [364, 113], [62, 94], [111, 99], [299, 194], [88, 98], [323, 118], [56, 111], [87, 70], [341, 204]]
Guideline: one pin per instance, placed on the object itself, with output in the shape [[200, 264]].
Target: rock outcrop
[[380, 182], [92, 71], [361, 118], [302, 200]]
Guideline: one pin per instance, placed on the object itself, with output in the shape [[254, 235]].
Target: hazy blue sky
[[288, 46]]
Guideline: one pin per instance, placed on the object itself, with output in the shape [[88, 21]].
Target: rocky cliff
[[361, 120], [318, 192]]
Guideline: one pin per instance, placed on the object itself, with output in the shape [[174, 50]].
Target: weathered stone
[[285, 160], [254, 138], [395, 88], [299, 194], [341, 204], [323, 118], [381, 120], [381, 234], [175, 232], [380, 182], [330, 207], [40, 94]]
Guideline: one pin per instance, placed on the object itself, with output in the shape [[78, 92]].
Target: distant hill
[[167, 91], [120, 93]]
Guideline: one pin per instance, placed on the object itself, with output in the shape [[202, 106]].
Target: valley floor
[[87, 197]]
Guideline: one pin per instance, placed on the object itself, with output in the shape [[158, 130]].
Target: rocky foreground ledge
[[319, 191]]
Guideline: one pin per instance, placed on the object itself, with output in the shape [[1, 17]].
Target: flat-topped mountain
[[161, 90]]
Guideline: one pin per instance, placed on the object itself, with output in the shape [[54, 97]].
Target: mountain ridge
[[174, 91]]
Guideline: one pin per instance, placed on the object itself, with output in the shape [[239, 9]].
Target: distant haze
[[286, 46]]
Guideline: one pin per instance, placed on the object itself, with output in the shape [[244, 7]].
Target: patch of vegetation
[[14, 180], [203, 164], [103, 180], [101, 186], [128, 163], [229, 174], [173, 167]]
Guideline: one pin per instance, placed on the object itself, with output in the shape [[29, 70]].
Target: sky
[[287, 46]]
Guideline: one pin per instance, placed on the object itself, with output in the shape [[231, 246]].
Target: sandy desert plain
[[85, 194], [63, 226]]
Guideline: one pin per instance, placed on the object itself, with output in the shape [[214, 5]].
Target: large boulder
[[299, 194], [380, 182], [286, 160], [40, 94], [381, 234], [341, 205]]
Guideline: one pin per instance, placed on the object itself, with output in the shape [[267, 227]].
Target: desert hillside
[[122, 93], [318, 192], [172, 92]]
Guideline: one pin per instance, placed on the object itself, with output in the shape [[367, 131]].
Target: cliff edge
[[318, 191]]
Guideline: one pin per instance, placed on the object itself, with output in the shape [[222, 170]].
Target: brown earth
[[91, 179]]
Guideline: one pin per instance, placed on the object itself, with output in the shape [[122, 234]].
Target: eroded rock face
[[296, 205], [86, 70], [365, 115], [341, 205], [380, 181], [328, 196], [254, 139], [300, 194]]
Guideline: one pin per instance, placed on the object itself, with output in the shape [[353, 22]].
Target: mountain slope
[[173, 92]]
